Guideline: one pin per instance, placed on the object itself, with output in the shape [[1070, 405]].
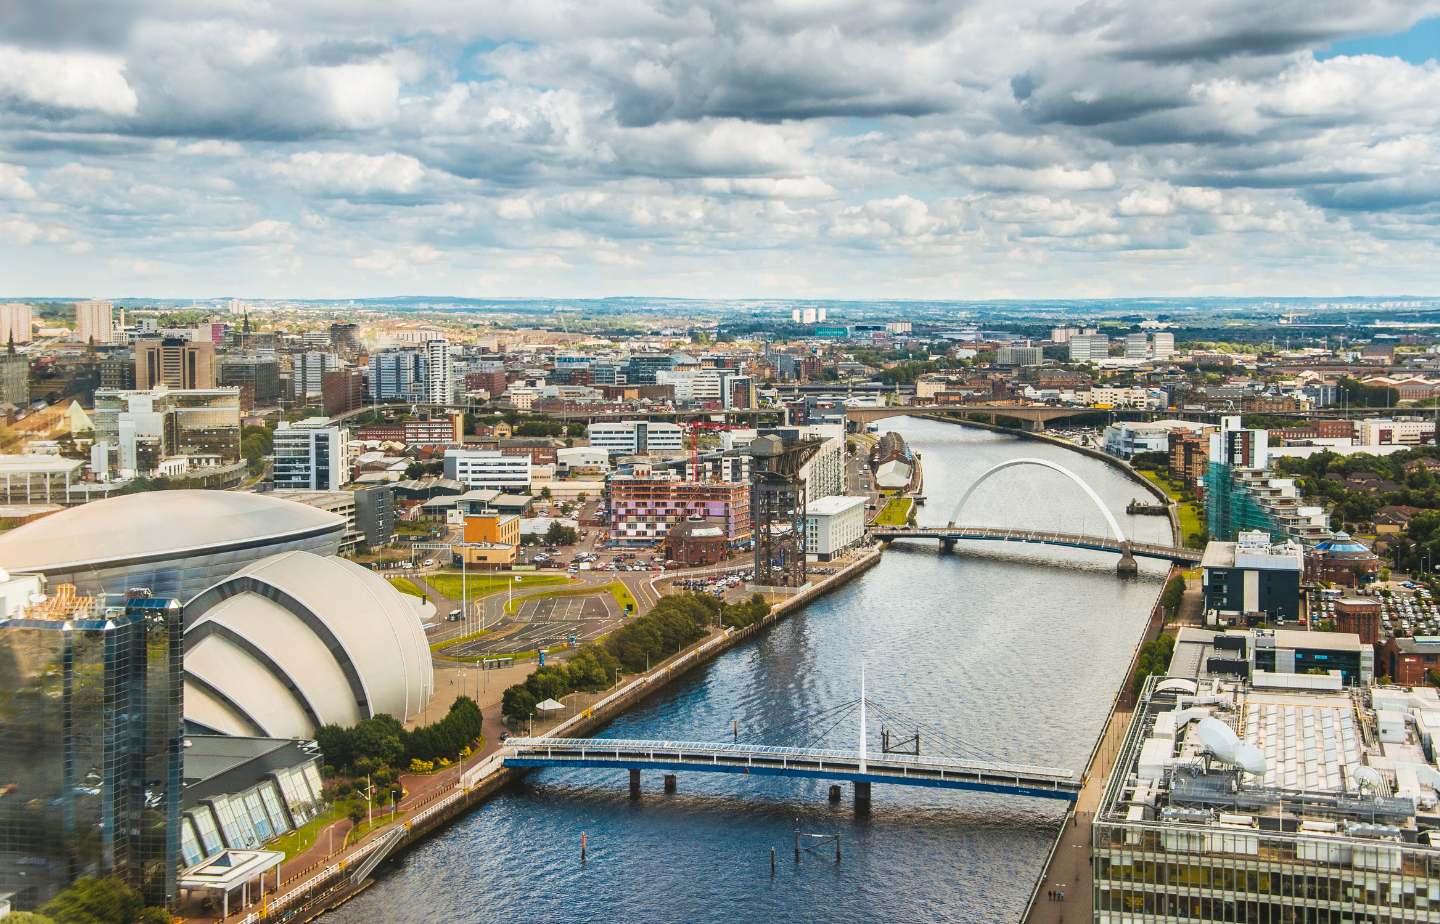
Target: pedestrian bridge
[[763, 760], [1113, 541]]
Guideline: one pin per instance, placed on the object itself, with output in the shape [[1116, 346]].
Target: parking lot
[[544, 623]]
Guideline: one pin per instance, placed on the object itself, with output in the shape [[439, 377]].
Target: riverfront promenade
[[315, 879]]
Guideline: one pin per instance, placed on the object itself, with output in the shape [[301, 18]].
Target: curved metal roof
[[296, 641], [158, 524]]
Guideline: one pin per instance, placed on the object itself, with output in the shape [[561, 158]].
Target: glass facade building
[[90, 710]]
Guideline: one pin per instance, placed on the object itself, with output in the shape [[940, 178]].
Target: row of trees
[[1154, 659], [676, 621], [381, 741], [93, 901], [745, 614], [592, 668]]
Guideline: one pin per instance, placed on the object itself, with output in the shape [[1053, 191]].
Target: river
[[1015, 653]]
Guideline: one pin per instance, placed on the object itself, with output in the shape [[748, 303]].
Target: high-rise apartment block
[[439, 381], [15, 323], [1089, 348], [1163, 346], [94, 322], [93, 745], [397, 375], [176, 363], [307, 372], [14, 379], [1137, 346], [1019, 356], [311, 456]]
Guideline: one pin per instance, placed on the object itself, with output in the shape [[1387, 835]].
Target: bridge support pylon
[[947, 545], [862, 795], [1126, 566], [634, 783], [669, 782]]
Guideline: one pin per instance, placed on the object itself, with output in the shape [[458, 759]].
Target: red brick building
[[695, 542], [540, 449], [1407, 659], [342, 391], [1361, 617]]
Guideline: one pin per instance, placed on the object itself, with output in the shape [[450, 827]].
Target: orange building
[[494, 528]]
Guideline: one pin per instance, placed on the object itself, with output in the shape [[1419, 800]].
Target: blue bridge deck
[[901, 769]]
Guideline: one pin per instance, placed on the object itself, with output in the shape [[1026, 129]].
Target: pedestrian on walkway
[[1050, 895]]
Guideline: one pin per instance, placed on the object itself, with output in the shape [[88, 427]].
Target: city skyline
[[723, 151]]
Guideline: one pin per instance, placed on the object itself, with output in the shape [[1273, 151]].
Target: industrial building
[[1271, 802]]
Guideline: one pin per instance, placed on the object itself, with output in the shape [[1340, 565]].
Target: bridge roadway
[[762, 760], [1046, 537]]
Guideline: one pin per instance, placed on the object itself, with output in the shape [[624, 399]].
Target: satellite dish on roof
[[1366, 779], [1250, 759]]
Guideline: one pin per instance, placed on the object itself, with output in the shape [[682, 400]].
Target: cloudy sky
[[719, 148]]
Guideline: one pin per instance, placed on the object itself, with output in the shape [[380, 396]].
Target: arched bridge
[[1115, 541], [1035, 416]]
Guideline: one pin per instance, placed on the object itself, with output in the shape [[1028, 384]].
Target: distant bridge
[[1115, 542], [763, 760]]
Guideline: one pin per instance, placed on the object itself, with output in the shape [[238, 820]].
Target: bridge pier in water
[[634, 783], [862, 795], [669, 782], [1126, 566]]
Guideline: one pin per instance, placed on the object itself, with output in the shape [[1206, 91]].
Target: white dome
[[296, 641]]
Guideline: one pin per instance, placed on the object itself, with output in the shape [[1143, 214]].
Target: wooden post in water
[[797, 845], [582, 847], [772, 859]]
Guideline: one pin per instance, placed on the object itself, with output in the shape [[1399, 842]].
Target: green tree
[[1174, 594], [335, 743], [545, 492], [378, 738]]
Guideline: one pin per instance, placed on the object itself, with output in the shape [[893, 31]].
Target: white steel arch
[[1109, 517]]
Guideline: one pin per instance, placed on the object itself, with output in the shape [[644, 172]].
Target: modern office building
[[16, 323], [375, 514], [1251, 580], [833, 525], [397, 375], [340, 503], [117, 371], [342, 391], [310, 455], [344, 337], [243, 793], [483, 468], [260, 374], [297, 641], [38, 479], [94, 322], [439, 380], [176, 363], [641, 368], [636, 437], [643, 510], [1271, 804], [172, 543], [14, 379], [92, 746], [199, 426]]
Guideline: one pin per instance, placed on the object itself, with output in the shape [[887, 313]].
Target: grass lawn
[[482, 584], [405, 586], [1190, 522], [302, 839], [895, 512], [441, 646], [615, 589], [1171, 488], [382, 817]]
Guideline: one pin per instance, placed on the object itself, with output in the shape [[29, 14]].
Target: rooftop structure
[[1232, 802]]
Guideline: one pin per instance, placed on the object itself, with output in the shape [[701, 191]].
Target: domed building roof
[[296, 641], [172, 543], [1341, 544], [156, 523]]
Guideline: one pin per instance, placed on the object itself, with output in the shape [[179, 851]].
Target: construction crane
[[695, 426]]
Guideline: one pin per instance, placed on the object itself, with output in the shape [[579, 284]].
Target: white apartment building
[[484, 468], [1384, 431], [1137, 346], [637, 437], [15, 322], [1089, 348], [397, 375], [307, 372], [311, 456], [833, 525], [439, 380], [1127, 396], [95, 320], [1163, 346], [523, 396]]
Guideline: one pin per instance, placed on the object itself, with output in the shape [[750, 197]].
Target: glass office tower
[[90, 714]]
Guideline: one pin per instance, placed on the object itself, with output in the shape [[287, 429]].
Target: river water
[[1014, 653]]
